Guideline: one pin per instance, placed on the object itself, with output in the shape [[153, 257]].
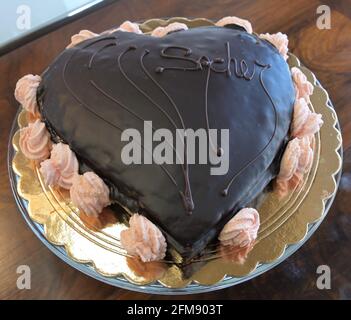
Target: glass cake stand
[[155, 288]]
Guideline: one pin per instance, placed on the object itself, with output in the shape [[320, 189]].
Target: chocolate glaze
[[207, 77]]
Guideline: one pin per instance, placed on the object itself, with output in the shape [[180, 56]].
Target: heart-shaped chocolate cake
[[206, 77], [120, 89]]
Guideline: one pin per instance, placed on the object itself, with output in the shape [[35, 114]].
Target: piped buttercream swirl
[[306, 155], [61, 168], [297, 160], [26, 92], [80, 37], [35, 141], [242, 229], [303, 87], [143, 239], [305, 122], [290, 160], [172, 27], [235, 20], [128, 26], [279, 40], [89, 193]]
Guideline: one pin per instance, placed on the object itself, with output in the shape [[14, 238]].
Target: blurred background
[[22, 20]]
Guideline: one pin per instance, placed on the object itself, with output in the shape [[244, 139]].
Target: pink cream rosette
[[172, 27], [35, 141], [290, 160], [128, 26], [61, 168], [279, 40], [143, 239], [306, 155], [241, 230], [235, 20], [26, 92], [297, 160], [89, 193], [305, 122], [80, 37], [303, 88]]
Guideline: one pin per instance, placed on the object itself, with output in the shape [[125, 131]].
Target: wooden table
[[325, 52]]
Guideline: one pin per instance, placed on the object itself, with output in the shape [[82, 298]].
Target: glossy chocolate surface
[[207, 77]]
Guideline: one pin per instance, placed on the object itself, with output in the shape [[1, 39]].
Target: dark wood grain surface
[[326, 52]]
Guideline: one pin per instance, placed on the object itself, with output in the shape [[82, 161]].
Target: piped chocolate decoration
[[206, 77]]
